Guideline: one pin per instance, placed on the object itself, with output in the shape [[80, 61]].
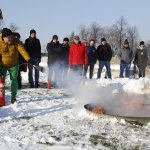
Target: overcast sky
[[61, 17]]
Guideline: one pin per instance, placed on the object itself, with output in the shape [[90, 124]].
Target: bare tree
[[132, 36], [71, 36], [13, 27], [1, 25], [83, 33], [95, 31], [120, 28]]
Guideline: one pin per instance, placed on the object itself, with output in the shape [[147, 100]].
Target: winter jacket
[[54, 52], [33, 47], [141, 57], [92, 57], [104, 52], [9, 53], [125, 56], [65, 53], [78, 54]]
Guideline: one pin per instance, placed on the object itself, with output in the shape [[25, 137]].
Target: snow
[[55, 119]]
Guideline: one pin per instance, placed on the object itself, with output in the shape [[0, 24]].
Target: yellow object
[[9, 52]]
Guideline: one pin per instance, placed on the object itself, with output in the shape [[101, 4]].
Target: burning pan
[[110, 114]]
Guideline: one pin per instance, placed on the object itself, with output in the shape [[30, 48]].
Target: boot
[[13, 100]]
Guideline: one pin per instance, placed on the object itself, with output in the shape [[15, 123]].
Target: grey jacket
[[141, 57], [125, 56]]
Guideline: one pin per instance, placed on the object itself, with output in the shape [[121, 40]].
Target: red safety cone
[[49, 85], [2, 92]]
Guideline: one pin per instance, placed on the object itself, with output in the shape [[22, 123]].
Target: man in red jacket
[[78, 56]]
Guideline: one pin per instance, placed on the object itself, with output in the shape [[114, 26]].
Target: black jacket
[[33, 47], [54, 52], [92, 56], [104, 52], [141, 58], [65, 53]]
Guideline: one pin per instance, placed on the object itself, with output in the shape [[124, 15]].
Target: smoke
[[112, 97]]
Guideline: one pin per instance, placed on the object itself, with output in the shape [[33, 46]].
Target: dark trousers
[[91, 67], [142, 72], [77, 69], [125, 67], [101, 65], [35, 61]]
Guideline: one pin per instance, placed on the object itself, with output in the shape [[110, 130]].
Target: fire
[[98, 110]]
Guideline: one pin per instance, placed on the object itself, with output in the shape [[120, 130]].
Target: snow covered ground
[[55, 119]]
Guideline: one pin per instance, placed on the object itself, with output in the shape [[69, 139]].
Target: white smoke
[[114, 101]]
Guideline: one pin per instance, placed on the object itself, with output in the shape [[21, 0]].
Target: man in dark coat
[[141, 58], [65, 59], [33, 47], [65, 51], [104, 56], [54, 49], [92, 58]]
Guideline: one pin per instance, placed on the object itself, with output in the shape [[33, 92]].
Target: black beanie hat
[[142, 43], [66, 39], [126, 42], [55, 37], [32, 31], [103, 39], [6, 32]]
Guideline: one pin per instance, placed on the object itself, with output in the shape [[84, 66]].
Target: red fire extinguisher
[[49, 84], [2, 92]]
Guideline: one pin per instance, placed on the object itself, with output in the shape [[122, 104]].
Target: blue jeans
[[34, 61], [101, 65], [125, 67]]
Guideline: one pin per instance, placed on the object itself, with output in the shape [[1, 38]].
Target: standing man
[[92, 58], [54, 49], [104, 56], [65, 57], [141, 59], [78, 56], [33, 47], [126, 56], [9, 49]]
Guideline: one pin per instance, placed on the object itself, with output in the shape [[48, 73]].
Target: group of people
[[81, 56], [76, 57]]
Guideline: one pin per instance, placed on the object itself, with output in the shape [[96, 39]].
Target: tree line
[[115, 34]]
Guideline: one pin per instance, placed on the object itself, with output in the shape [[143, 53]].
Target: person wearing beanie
[[33, 47], [54, 49], [92, 58], [64, 59], [9, 48], [104, 56], [141, 59], [55, 37], [126, 56], [78, 56]]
